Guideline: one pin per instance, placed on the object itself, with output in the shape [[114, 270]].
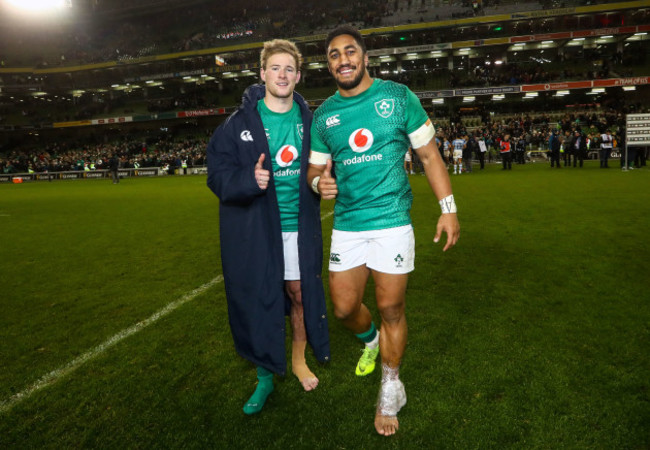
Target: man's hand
[[261, 175], [327, 185], [449, 224]]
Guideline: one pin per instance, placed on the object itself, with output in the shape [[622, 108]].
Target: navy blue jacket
[[251, 239]]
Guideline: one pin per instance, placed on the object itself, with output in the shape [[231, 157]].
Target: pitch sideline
[[57, 374]]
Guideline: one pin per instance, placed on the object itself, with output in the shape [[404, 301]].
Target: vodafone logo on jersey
[[361, 140], [286, 155]]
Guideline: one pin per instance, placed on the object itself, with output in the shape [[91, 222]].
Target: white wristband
[[448, 205], [314, 184]]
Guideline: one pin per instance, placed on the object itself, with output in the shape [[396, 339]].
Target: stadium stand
[[120, 72]]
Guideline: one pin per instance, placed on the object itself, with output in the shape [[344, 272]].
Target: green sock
[[369, 335], [262, 391]]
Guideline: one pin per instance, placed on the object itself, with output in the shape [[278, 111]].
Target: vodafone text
[[362, 159], [286, 173]]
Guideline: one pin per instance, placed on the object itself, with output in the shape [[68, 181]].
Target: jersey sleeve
[[319, 150], [415, 114], [419, 128]]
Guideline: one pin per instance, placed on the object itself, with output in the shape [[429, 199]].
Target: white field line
[[73, 365]]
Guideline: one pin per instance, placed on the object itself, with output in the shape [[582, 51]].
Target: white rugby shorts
[[391, 250], [290, 246]]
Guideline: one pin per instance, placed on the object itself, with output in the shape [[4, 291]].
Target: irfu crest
[[385, 107]]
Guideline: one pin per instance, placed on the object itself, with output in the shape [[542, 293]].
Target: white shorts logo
[[246, 136], [286, 155], [361, 140]]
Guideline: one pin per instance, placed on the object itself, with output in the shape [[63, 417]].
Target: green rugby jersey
[[284, 134], [367, 138]]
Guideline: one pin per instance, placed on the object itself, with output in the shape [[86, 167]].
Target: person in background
[[554, 145], [468, 152], [113, 167], [579, 148], [459, 144], [408, 161], [482, 150], [606, 145], [506, 153]]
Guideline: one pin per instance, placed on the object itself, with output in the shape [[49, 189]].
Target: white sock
[[374, 343]]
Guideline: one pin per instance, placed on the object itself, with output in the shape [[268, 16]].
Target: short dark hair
[[349, 30]]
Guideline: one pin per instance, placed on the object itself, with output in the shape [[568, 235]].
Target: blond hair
[[280, 46]]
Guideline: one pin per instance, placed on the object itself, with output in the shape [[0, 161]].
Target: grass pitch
[[533, 332]]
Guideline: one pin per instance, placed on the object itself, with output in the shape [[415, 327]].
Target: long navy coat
[[251, 239]]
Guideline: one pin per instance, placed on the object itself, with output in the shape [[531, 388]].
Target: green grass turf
[[533, 332]]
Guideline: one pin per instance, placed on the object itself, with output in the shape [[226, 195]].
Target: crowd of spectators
[[62, 157], [530, 133], [167, 153]]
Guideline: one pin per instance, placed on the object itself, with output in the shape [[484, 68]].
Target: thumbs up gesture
[[261, 175], [327, 185]]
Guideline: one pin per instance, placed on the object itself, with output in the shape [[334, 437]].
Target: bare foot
[[386, 425], [392, 397], [305, 376]]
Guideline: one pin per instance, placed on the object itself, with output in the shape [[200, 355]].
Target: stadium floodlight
[[531, 94], [547, 42], [438, 101], [629, 88], [37, 5], [468, 99]]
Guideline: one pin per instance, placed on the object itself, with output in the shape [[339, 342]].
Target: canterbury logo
[[246, 136], [333, 121]]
